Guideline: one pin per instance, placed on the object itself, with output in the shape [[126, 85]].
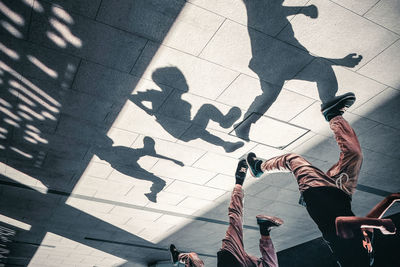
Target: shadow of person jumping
[[181, 110], [125, 160], [275, 62]]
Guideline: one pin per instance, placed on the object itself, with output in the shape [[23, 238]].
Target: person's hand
[[351, 60], [394, 196], [311, 11], [180, 163]]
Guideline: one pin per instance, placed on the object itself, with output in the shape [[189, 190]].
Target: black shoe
[[174, 253], [337, 106], [267, 222], [241, 171], [254, 164]]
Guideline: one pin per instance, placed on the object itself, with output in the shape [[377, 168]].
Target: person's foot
[[232, 116], [241, 171], [242, 131], [337, 105], [230, 147], [266, 223], [254, 164], [152, 197], [174, 253]]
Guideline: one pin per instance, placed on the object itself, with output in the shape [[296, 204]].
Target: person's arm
[[140, 97], [180, 163], [379, 210], [310, 11], [350, 61], [347, 225]]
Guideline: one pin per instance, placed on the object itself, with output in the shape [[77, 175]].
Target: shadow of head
[[148, 142], [170, 76]]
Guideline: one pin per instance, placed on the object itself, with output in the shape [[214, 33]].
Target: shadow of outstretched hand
[[351, 60], [310, 11], [180, 163]]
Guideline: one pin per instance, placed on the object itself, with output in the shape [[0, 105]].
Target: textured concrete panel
[[85, 38], [191, 28], [380, 106], [330, 34], [186, 173], [199, 77], [15, 16], [198, 191], [387, 143], [217, 163], [386, 13], [274, 138], [221, 181], [322, 85], [359, 7], [266, 16], [170, 129], [273, 61], [215, 141], [84, 8], [243, 91], [381, 67]]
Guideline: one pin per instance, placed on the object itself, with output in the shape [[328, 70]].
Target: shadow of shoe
[[232, 116], [230, 147]]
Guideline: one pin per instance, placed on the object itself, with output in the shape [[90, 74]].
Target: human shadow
[[125, 160], [275, 63], [181, 109], [66, 221]]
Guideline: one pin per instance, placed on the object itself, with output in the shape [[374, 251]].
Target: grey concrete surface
[[117, 126]]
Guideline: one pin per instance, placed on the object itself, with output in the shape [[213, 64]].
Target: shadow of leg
[[321, 72], [157, 186], [209, 112], [260, 105], [215, 140]]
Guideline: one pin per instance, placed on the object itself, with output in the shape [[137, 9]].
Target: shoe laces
[[243, 169], [340, 183]]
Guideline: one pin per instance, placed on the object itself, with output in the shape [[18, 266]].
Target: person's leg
[[258, 107], [306, 174], [345, 172], [233, 241]]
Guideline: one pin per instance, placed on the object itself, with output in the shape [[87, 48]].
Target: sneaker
[[241, 171], [337, 106], [174, 253], [254, 164], [268, 222]]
